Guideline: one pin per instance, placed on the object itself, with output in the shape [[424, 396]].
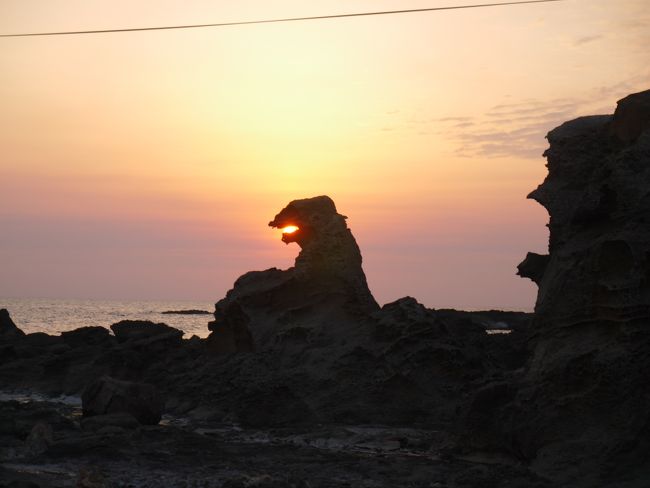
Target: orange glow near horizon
[[289, 229], [156, 159]]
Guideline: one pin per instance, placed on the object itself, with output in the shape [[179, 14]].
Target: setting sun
[[289, 229]]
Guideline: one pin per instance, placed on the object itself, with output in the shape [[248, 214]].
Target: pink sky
[[146, 165]]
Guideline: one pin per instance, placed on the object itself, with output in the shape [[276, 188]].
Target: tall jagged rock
[[583, 406], [325, 290], [329, 251], [597, 193]]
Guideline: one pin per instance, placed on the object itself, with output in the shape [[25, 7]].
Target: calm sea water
[[56, 316]]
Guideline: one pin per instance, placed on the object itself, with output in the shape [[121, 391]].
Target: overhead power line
[[273, 21]]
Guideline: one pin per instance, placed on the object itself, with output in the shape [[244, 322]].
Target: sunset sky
[[147, 165]]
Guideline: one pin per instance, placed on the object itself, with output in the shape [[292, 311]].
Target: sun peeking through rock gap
[[289, 229]]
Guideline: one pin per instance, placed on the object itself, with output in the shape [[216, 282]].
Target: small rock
[[145, 331], [108, 395], [39, 439]]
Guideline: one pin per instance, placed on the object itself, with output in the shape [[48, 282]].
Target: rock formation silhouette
[[329, 253], [7, 326], [324, 291], [581, 410], [597, 193]]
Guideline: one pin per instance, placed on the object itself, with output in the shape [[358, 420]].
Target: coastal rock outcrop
[[324, 291], [581, 411], [329, 253], [311, 353], [597, 193], [143, 333], [325, 352], [7, 326]]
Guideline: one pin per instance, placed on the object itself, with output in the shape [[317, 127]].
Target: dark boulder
[[144, 332], [108, 396], [7, 326], [86, 336]]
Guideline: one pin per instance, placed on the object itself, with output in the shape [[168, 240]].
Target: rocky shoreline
[[305, 381]]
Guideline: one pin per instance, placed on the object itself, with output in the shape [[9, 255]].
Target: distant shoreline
[[186, 312]]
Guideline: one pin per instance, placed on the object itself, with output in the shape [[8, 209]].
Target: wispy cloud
[[519, 129], [587, 39]]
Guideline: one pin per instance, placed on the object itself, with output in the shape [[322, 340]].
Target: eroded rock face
[[583, 405], [597, 193], [326, 289], [7, 326], [328, 248]]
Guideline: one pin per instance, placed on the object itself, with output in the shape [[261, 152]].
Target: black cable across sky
[[273, 21]]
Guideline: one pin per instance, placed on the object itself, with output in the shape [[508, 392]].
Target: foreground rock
[[7, 326], [581, 411], [110, 396], [597, 194]]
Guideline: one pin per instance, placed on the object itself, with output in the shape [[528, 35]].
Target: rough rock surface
[[142, 332], [581, 411], [182, 453], [110, 396], [325, 292], [597, 193], [329, 253], [7, 326]]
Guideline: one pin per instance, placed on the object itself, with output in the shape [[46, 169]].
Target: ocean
[[56, 316]]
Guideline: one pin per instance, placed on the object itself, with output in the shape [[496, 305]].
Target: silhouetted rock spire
[[328, 248], [582, 405], [326, 289]]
